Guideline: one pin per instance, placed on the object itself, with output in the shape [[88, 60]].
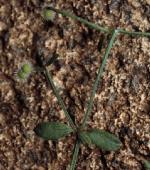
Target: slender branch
[[75, 155], [146, 34], [95, 26], [99, 75], [84, 21], [49, 78]]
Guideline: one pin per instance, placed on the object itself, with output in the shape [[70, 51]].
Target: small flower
[[24, 72], [48, 14]]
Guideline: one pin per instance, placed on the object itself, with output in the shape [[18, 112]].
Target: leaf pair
[[100, 138]]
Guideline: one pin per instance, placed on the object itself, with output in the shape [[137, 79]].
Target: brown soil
[[122, 103]]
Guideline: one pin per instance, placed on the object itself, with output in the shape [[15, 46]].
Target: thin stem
[[49, 78], [146, 34], [75, 155], [99, 75], [84, 21], [95, 26]]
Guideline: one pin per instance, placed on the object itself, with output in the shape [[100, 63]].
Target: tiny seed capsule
[[24, 72], [48, 14], [21, 75], [26, 68]]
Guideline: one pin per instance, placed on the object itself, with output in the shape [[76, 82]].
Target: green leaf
[[52, 130], [147, 165], [84, 137], [104, 140]]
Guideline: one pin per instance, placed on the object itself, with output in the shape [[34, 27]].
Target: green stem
[[75, 155], [49, 78], [146, 34], [84, 21], [95, 26], [100, 72]]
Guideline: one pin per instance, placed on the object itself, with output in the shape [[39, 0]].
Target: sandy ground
[[122, 103]]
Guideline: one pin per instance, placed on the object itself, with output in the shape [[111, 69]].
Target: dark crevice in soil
[[104, 161]]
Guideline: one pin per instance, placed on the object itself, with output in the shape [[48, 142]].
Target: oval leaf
[[104, 140], [85, 139], [52, 130]]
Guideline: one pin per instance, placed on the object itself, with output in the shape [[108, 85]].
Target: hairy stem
[[75, 155], [99, 75], [49, 78]]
